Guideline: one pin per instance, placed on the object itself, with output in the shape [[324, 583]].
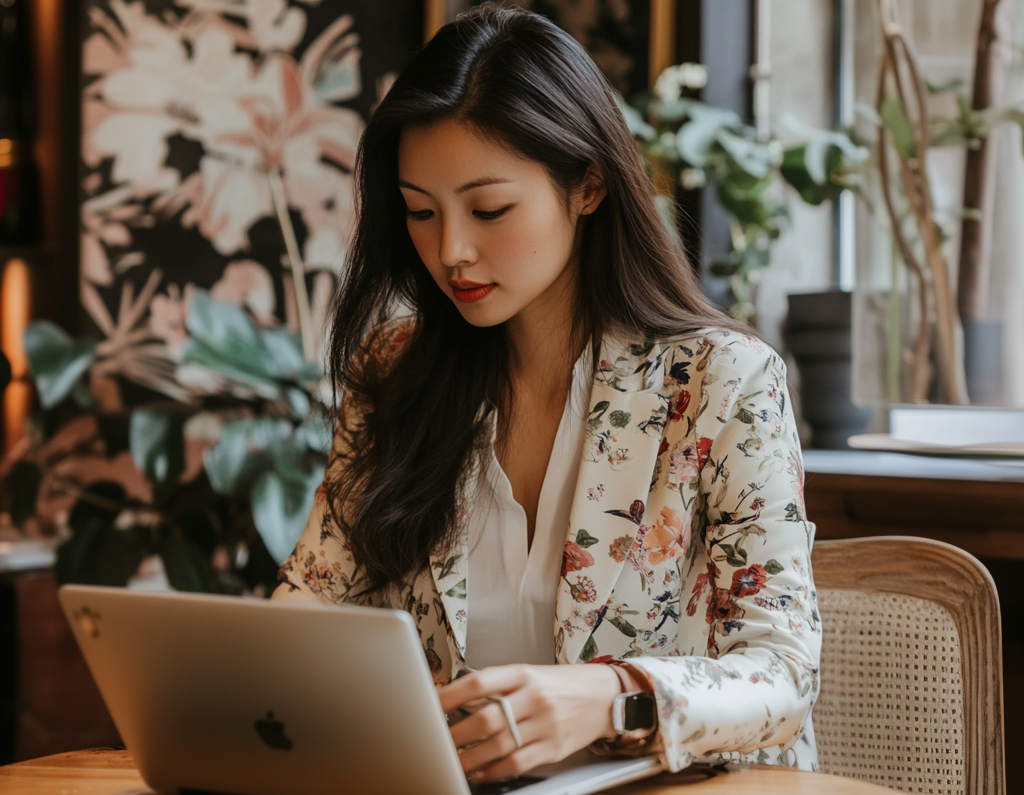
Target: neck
[[541, 341]]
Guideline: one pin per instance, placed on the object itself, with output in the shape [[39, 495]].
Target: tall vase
[[818, 333]]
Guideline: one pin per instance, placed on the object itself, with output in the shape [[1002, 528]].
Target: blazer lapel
[[449, 566], [625, 425]]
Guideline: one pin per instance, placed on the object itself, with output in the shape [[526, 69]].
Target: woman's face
[[490, 227]]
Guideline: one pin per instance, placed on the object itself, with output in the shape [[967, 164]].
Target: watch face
[[639, 712]]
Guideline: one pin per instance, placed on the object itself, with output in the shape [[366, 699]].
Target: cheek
[[538, 244], [426, 246]]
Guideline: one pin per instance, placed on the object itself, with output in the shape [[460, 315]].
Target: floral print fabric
[[687, 554]]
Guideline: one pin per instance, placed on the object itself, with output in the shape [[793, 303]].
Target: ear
[[593, 191]]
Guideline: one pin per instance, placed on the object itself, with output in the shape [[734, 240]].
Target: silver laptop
[[250, 697]]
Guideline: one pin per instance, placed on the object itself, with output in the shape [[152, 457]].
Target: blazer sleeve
[[321, 568], [749, 637]]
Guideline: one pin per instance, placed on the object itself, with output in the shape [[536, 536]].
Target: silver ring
[[510, 719]]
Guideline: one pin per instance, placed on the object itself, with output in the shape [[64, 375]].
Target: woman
[[564, 454]]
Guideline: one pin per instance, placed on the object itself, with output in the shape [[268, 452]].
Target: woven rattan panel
[[891, 704]]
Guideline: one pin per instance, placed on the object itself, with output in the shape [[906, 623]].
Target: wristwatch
[[634, 714]]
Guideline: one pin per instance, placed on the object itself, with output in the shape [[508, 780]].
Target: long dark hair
[[519, 79]]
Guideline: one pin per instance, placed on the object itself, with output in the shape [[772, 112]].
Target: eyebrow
[[476, 183]]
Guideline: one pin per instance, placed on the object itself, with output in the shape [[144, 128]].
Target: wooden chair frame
[[956, 580]]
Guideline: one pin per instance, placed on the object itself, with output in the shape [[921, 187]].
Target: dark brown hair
[[529, 86]]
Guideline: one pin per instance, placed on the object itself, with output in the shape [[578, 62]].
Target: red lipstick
[[469, 292]]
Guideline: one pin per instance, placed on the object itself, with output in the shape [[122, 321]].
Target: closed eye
[[419, 215], [490, 216]]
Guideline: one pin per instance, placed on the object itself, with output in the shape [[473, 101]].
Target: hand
[[559, 709]]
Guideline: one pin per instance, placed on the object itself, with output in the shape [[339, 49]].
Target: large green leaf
[[827, 151], [157, 443], [97, 553], [57, 362], [224, 338], [186, 567], [5, 372], [282, 501], [795, 170], [634, 121], [753, 157], [246, 448], [696, 138], [284, 357]]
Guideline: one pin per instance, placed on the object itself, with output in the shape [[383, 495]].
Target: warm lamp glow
[[14, 317]]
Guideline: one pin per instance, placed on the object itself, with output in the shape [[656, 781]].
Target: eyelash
[[424, 215]]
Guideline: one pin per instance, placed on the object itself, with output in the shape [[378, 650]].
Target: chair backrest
[[911, 667]]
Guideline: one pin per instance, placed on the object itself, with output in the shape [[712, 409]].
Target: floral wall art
[[183, 436], [216, 134]]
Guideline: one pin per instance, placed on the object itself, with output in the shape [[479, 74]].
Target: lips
[[470, 292]]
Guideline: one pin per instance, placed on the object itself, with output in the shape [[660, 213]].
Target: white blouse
[[511, 591]]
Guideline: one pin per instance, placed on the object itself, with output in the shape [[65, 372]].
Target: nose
[[455, 249]]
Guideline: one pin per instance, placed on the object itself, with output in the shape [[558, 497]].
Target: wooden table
[[974, 504], [103, 771]]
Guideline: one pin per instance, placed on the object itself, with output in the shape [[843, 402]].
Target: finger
[[497, 747], [499, 680], [517, 763], [479, 726]]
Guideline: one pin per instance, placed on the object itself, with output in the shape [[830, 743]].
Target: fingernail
[[475, 777]]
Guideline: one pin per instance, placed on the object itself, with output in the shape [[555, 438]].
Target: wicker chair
[[911, 667]]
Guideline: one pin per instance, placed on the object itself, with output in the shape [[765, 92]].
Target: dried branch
[[920, 365], [897, 62], [976, 226]]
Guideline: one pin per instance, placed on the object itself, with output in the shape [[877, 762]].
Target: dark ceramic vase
[[818, 333]]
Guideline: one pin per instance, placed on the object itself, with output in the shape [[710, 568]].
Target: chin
[[483, 316], [481, 319]]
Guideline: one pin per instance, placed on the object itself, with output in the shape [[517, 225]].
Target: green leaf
[[224, 338], [584, 539], [339, 81], [284, 357], [638, 128], [744, 416], [795, 170], [734, 556], [458, 591], [186, 567], [23, 483], [448, 567], [97, 553], [828, 150], [590, 650], [5, 372], [619, 419], [723, 268], [773, 566], [753, 157], [282, 501], [600, 409], [944, 88], [894, 117], [56, 361], [623, 626], [793, 513], [246, 448], [157, 442]]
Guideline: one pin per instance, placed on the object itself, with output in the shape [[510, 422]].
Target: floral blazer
[[687, 554]]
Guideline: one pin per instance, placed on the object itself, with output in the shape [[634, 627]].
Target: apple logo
[[89, 621], [271, 731]]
